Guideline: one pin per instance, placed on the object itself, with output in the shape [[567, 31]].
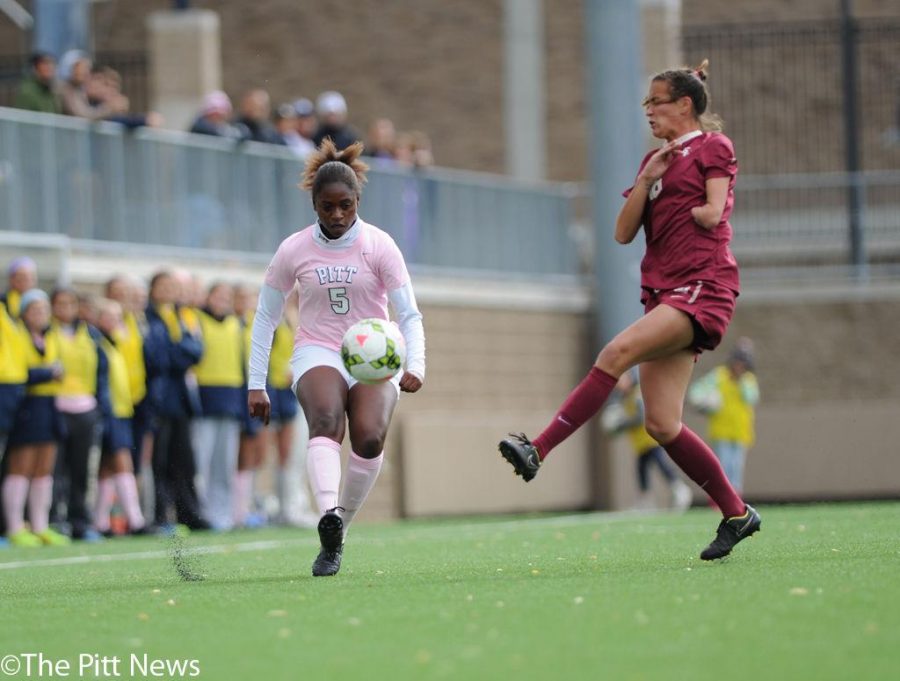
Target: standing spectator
[[283, 415], [253, 117], [174, 349], [129, 341], [74, 74], [32, 440], [332, 110], [13, 373], [37, 91], [214, 117], [78, 398], [252, 439], [215, 433], [682, 197], [116, 474], [625, 414], [22, 277], [728, 395]]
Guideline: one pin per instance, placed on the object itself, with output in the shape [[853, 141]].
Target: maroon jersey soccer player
[[682, 197]]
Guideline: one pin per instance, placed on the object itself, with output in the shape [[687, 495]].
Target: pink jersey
[[341, 281], [680, 251]]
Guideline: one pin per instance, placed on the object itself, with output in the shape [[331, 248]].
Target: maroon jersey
[[680, 251]]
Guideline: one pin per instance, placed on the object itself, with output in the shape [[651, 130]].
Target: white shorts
[[306, 357]]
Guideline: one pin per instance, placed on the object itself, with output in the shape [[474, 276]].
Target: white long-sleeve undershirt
[[268, 315]]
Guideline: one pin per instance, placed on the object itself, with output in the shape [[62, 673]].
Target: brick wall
[[435, 66]]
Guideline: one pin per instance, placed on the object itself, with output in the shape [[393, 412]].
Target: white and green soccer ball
[[373, 350]]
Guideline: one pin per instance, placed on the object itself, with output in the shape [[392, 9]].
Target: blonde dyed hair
[[329, 164]]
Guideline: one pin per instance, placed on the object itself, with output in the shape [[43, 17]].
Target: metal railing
[[99, 182], [166, 189], [802, 218]]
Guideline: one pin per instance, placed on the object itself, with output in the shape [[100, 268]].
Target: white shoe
[[681, 496]]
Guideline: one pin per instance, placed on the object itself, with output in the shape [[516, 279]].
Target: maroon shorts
[[709, 305]]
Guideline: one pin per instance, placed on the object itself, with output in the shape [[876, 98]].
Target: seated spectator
[[332, 110], [255, 111], [37, 91], [214, 115], [74, 73]]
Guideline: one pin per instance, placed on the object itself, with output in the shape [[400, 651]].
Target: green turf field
[[815, 595]]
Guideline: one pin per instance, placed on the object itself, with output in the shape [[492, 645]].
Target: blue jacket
[[167, 364]]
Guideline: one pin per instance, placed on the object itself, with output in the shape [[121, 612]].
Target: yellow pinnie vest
[[78, 354], [733, 422], [637, 435], [13, 302], [36, 360], [13, 368], [130, 344], [223, 352], [119, 389], [280, 358]]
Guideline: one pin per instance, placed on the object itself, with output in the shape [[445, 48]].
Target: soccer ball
[[373, 350]]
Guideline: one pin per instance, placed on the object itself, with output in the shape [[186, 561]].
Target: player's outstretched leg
[[524, 457], [730, 532], [331, 537]]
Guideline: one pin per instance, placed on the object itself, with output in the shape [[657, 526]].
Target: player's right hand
[[259, 405]]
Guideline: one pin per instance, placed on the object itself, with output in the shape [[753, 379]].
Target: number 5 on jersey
[[340, 303]]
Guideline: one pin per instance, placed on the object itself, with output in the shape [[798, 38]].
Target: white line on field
[[268, 545]]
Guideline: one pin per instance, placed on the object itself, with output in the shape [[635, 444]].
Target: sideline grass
[[815, 595]]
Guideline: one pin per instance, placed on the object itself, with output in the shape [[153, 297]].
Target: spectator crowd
[[77, 87], [126, 412]]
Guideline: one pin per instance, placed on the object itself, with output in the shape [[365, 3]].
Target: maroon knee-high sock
[[696, 459], [581, 404]]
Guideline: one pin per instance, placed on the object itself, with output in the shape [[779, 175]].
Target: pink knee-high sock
[[323, 462], [243, 491], [15, 492], [581, 404], [696, 459], [126, 487], [358, 482], [106, 494], [39, 497]]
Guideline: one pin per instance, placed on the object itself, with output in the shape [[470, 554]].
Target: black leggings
[[658, 456], [173, 473], [70, 479]]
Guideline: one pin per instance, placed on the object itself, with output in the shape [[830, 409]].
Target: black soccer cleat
[[523, 455], [331, 537], [730, 532]]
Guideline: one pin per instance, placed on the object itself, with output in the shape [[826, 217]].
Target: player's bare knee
[[661, 429], [368, 446], [616, 357], [326, 425]]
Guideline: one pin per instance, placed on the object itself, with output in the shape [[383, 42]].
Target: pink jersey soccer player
[[683, 196], [346, 270]]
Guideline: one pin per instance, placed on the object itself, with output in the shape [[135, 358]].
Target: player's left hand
[[410, 383]]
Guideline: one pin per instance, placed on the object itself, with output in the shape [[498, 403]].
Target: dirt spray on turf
[[185, 561]]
